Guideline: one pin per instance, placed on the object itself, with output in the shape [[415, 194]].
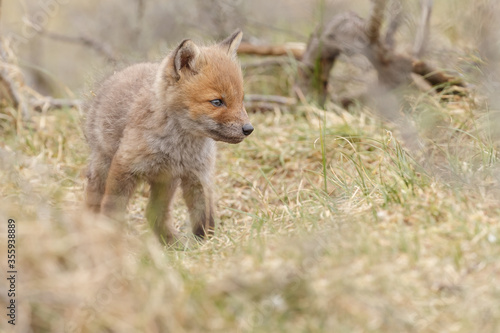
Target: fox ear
[[232, 42], [185, 57]]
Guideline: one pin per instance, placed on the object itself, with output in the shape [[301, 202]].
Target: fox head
[[205, 86]]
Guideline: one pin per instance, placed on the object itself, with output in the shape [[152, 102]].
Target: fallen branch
[[48, 102], [282, 100], [267, 102], [103, 49], [349, 34], [12, 79], [433, 75], [423, 29], [271, 50], [395, 21], [265, 63]]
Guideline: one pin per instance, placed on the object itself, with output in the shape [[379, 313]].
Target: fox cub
[[158, 122]]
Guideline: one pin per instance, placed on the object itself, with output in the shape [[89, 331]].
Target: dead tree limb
[[102, 49], [423, 31], [48, 102], [271, 50], [12, 91], [282, 100], [265, 63], [375, 21], [396, 10], [349, 34], [435, 76]]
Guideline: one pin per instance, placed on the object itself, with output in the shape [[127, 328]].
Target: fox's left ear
[[185, 57], [232, 42]]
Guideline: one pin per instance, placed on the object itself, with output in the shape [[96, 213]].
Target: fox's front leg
[[120, 185], [159, 208], [198, 196]]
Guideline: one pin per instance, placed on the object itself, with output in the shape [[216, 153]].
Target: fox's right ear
[[185, 57]]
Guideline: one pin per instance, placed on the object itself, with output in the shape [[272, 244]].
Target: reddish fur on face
[[219, 78], [156, 122]]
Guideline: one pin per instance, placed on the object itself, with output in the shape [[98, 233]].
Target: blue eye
[[217, 102]]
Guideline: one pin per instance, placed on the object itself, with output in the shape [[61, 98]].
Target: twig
[[423, 28], [261, 24], [434, 76], [265, 63], [103, 49], [267, 102], [139, 18], [282, 100], [375, 21], [271, 50], [48, 102], [14, 87], [395, 21]]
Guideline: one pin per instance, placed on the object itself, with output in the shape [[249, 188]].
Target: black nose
[[247, 129]]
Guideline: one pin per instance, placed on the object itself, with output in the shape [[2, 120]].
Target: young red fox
[[158, 123]]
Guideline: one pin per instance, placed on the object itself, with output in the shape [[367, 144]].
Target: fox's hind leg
[[120, 184], [198, 196], [96, 182]]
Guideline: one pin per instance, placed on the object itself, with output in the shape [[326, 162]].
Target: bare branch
[[423, 28], [48, 102], [396, 15], [260, 24], [375, 21], [12, 79], [103, 49], [265, 63], [432, 75], [271, 50]]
